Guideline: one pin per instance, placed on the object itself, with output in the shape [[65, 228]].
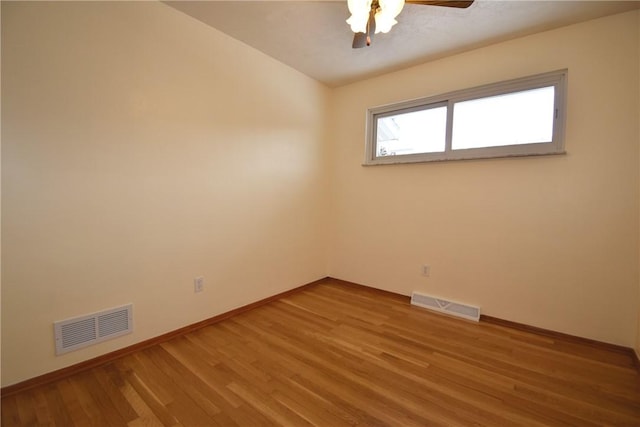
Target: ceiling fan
[[369, 17]]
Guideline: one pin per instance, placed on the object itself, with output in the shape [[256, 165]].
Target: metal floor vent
[[449, 307], [79, 332]]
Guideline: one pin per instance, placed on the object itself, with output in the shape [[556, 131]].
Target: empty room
[[326, 213]]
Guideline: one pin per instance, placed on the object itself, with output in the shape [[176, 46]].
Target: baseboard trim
[[114, 355], [561, 336], [109, 357], [371, 290], [635, 357]]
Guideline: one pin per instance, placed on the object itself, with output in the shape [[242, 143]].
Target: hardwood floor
[[339, 355]]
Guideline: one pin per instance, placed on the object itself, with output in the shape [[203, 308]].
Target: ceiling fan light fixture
[[369, 17], [385, 14]]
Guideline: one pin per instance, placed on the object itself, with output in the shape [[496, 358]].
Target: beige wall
[[551, 241], [141, 149]]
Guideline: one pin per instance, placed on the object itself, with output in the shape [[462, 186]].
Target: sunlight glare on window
[[422, 131], [512, 119]]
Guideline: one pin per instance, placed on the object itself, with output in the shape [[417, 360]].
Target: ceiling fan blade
[[462, 4], [359, 40]]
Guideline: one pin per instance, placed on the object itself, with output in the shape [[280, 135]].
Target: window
[[522, 117]]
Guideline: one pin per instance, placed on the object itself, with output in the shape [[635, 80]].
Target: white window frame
[[558, 79]]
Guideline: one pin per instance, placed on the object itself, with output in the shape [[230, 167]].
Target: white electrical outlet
[[426, 270], [198, 284]]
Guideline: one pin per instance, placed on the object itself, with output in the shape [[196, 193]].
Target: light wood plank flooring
[[339, 355]]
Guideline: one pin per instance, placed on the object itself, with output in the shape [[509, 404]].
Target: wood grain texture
[[106, 358], [339, 355]]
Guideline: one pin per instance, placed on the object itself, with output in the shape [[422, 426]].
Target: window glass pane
[[416, 132], [512, 119]]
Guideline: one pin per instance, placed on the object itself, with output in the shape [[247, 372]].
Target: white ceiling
[[312, 36]]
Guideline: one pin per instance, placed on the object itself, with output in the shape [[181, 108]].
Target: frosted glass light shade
[[359, 15], [386, 16]]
